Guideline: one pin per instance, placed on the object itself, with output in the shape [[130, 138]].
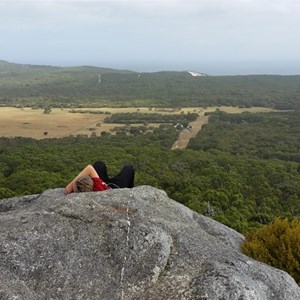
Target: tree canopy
[[242, 189]]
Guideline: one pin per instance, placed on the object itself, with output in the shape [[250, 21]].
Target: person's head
[[83, 184]]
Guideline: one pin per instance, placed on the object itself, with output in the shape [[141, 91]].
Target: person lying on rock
[[94, 178]]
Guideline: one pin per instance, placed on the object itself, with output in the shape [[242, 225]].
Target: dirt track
[[186, 135]]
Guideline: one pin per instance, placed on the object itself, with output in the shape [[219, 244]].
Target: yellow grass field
[[27, 122]]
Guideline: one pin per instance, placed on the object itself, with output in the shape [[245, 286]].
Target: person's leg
[[125, 179], [131, 182], [100, 168]]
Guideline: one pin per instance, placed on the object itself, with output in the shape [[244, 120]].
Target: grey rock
[[125, 244]]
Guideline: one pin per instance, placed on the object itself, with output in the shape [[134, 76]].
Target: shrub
[[276, 244], [6, 193]]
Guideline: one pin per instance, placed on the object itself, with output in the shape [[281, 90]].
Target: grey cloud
[[152, 30]]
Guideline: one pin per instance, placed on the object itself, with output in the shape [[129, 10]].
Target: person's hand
[[68, 189]]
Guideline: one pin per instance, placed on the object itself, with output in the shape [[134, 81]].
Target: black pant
[[125, 179]]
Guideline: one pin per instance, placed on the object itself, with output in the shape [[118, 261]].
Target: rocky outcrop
[[125, 244]]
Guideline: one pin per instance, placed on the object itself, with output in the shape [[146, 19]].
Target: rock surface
[[125, 244]]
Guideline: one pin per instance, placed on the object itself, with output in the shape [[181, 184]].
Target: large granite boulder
[[125, 244]]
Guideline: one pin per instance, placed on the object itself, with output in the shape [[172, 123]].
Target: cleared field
[[34, 123]]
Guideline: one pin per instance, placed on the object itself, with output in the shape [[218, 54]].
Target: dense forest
[[241, 169], [138, 118], [238, 186], [265, 135], [41, 86]]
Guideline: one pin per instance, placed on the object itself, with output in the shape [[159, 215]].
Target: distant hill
[[7, 67], [38, 85]]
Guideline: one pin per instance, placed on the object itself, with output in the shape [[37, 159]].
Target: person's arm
[[87, 171]]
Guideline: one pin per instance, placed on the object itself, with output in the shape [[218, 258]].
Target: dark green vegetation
[[265, 135], [241, 169], [241, 189], [137, 118], [277, 244], [26, 85]]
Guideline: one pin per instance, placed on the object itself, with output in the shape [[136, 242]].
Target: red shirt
[[99, 185]]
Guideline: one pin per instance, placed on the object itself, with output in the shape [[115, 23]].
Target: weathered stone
[[125, 244]]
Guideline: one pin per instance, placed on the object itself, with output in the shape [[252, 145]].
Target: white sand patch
[[195, 74]]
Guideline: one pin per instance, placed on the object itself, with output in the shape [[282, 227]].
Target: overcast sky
[[218, 37]]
